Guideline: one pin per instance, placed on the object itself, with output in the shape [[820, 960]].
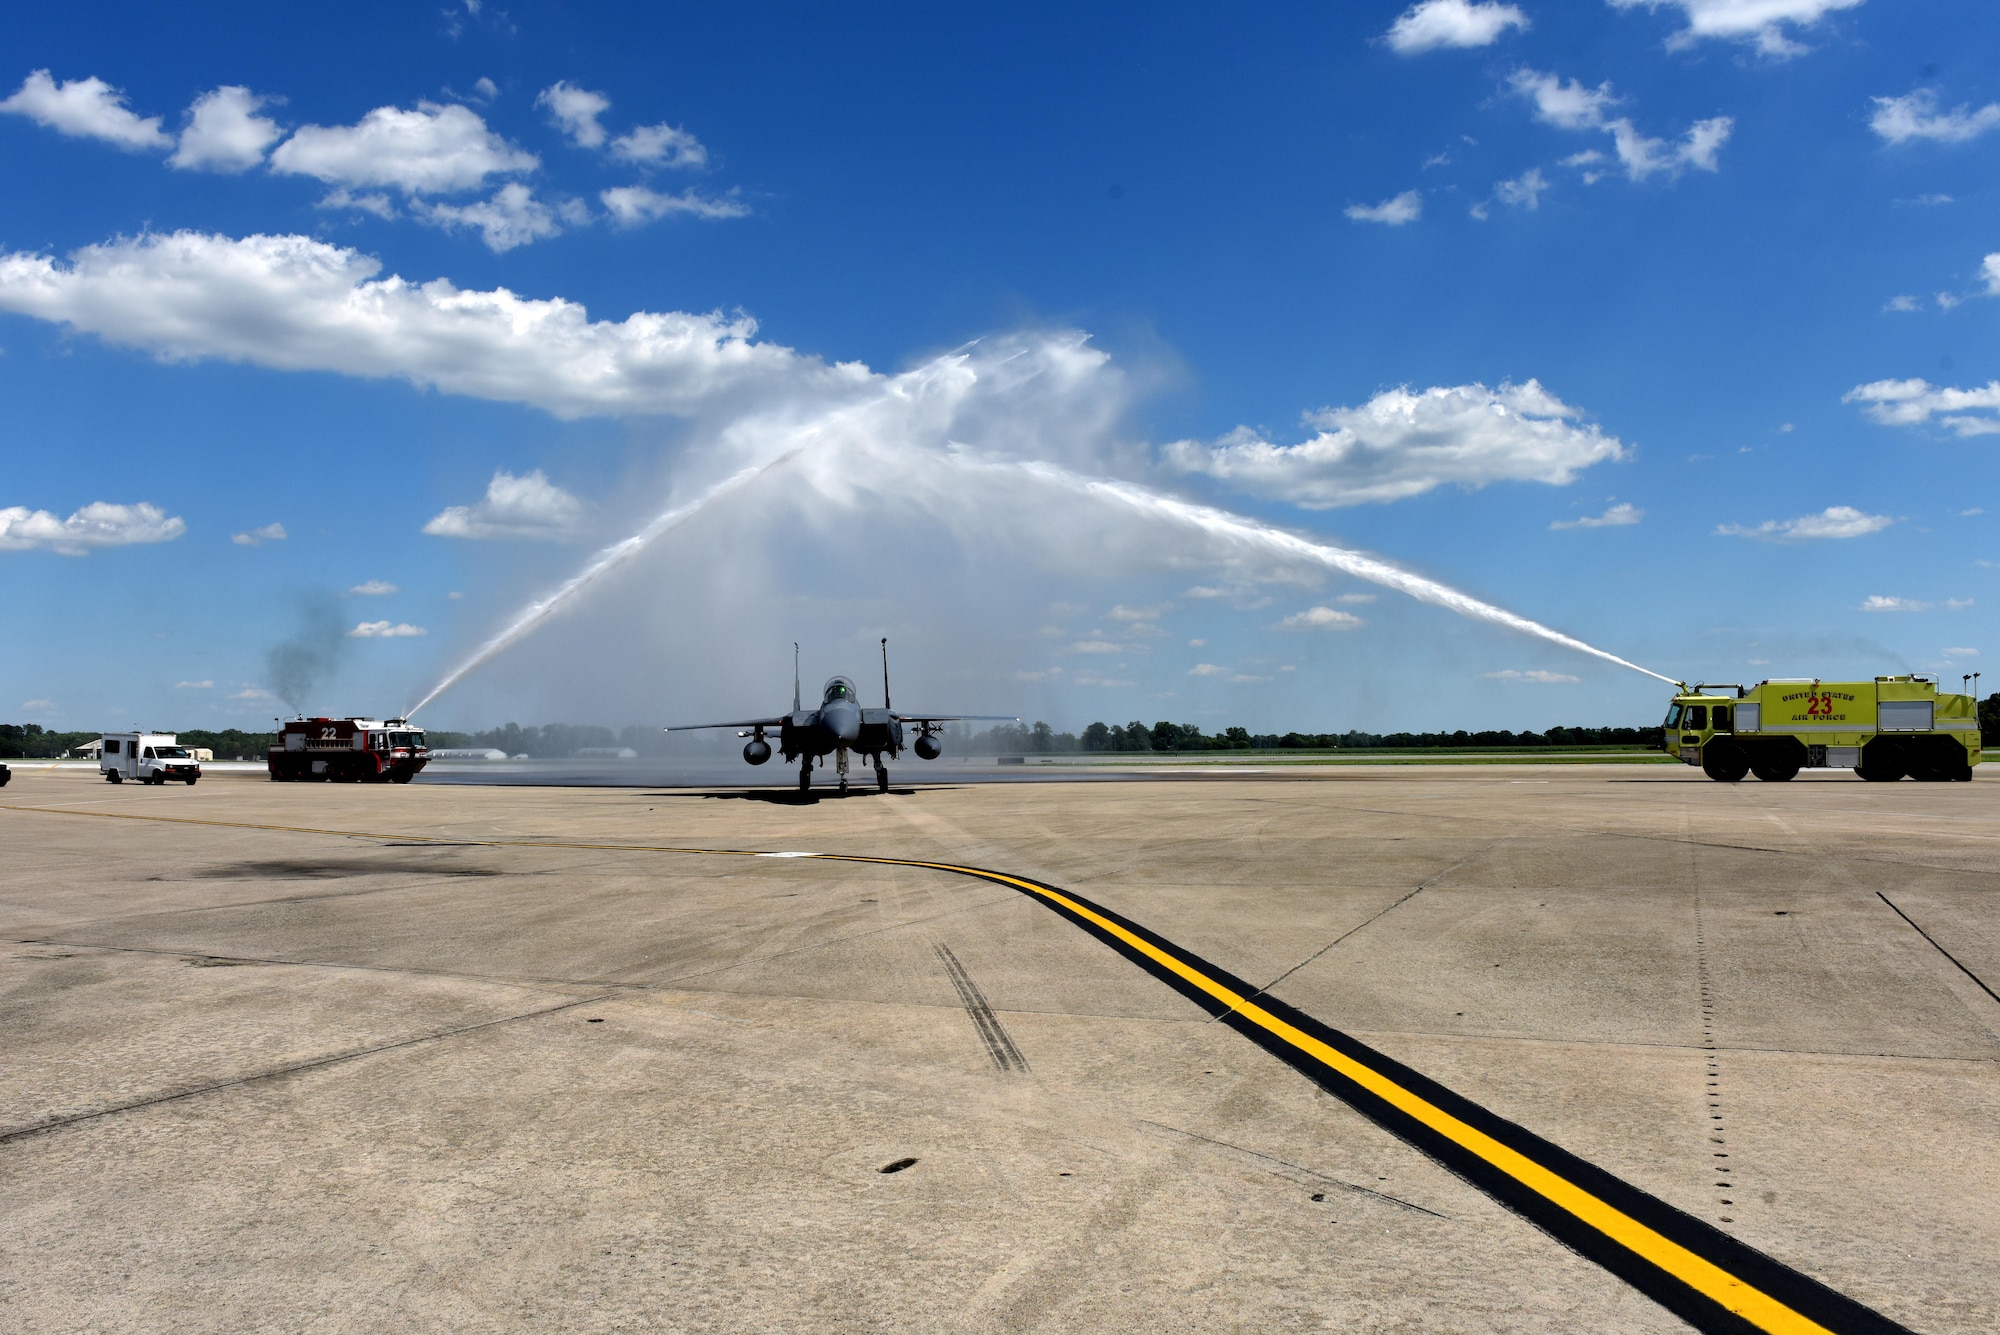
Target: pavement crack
[[1312, 1173], [1940, 949], [296, 1068], [1372, 918]]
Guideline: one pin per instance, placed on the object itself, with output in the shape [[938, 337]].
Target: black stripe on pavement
[[1805, 1296]]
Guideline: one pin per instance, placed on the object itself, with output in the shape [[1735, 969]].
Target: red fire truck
[[347, 750]]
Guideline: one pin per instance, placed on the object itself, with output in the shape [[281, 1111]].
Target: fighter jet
[[841, 726]]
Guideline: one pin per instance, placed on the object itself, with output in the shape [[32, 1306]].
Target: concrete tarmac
[[334, 1064]]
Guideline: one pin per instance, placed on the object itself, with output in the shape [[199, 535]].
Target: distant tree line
[[29, 741], [1136, 736]]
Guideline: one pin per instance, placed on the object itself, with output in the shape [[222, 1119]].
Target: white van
[[149, 757]]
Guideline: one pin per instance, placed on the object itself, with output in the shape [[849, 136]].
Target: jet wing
[[746, 723], [901, 717]]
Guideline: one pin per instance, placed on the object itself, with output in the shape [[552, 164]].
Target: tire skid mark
[[999, 1046]]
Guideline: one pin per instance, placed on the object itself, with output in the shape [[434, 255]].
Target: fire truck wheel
[[402, 778], [1724, 763], [1777, 773], [1881, 763]]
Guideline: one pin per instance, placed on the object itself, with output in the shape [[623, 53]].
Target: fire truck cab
[[347, 750]]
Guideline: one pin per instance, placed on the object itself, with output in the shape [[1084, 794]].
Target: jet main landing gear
[[881, 775], [805, 774]]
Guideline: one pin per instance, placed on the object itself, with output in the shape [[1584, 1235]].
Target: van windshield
[[170, 753]]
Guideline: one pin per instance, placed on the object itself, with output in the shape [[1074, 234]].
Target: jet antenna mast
[[885, 672]]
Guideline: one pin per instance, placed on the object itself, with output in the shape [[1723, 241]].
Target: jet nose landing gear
[[881, 775]]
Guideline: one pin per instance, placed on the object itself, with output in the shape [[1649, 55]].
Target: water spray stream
[[606, 561], [1249, 533]]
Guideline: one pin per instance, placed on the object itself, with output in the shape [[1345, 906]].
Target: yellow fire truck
[[1886, 729]]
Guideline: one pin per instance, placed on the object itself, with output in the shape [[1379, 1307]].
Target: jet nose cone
[[842, 718]]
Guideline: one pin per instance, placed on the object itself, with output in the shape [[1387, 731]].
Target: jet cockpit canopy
[[839, 688]]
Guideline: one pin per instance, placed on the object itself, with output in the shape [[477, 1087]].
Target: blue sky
[[1668, 325]]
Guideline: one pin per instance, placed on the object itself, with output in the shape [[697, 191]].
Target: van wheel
[[114, 777], [190, 782], [1724, 764]]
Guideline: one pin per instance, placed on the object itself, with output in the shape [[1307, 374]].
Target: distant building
[[606, 753]]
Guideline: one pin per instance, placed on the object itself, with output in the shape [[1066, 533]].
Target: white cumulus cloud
[[431, 149], [1699, 148], [86, 109], [99, 524], [1432, 24], [1836, 521], [1393, 212], [1758, 21], [257, 537], [374, 588], [296, 303], [576, 111], [224, 132], [1618, 516], [383, 630], [660, 146], [1532, 674], [1569, 105], [634, 205], [1524, 191], [1322, 618], [1208, 670], [1969, 412], [209, 685], [515, 507], [1916, 116], [1876, 602], [1404, 443], [513, 217]]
